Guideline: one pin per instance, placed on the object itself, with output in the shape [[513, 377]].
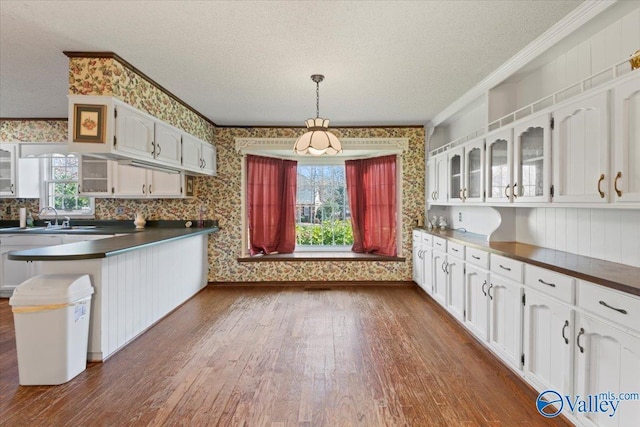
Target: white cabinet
[[12, 273], [130, 181], [167, 145], [134, 131], [548, 343], [198, 156], [437, 178], [626, 137], [476, 283], [455, 269], [427, 272], [418, 264], [606, 360], [581, 150], [505, 319], [532, 155], [94, 176], [19, 178], [466, 172], [422, 262], [440, 276], [499, 166], [455, 174]]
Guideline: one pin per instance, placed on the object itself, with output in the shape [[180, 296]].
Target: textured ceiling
[[248, 63]]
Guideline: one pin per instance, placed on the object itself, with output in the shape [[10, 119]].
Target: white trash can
[[51, 316]]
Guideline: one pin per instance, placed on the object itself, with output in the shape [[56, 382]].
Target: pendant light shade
[[317, 141]]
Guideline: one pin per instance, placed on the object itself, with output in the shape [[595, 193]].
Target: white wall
[[608, 234]]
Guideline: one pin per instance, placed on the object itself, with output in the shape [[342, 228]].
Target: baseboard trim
[[313, 284]]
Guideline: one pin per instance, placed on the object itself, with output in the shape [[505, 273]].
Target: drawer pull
[[505, 268], [619, 310], [475, 257], [553, 285], [454, 249], [578, 340], [566, 324], [483, 286], [439, 244]]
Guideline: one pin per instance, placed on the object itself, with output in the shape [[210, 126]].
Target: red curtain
[[371, 185], [271, 201]]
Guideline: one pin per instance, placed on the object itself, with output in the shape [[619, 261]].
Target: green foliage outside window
[[327, 233]]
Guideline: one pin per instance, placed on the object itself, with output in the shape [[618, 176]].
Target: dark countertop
[[107, 247], [622, 277]]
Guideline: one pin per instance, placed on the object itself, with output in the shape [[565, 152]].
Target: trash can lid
[[52, 289]]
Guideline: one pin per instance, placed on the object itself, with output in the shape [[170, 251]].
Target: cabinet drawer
[[549, 282], [506, 267], [612, 305], [477, 257], [427, 239], [417, 237], [455, 249], [439, 243]]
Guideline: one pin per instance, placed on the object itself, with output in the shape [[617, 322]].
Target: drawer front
[[439, 243], [506, 267], [455, 249], [549, 282], [477, 257], [612, 305], [417, 237], [427, 239]]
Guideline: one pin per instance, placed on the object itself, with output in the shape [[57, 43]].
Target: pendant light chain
[[317, 99]]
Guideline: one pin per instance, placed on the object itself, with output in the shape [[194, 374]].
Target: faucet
[[50, 208]]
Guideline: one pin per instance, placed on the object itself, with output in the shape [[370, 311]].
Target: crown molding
[[570, 23]]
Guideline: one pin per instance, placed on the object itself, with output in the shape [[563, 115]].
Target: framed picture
[[189, 186], [89, 123]]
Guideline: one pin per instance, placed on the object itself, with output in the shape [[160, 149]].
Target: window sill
[[320, 256]]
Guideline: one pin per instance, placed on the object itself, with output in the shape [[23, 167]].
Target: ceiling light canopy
[[317, 141]]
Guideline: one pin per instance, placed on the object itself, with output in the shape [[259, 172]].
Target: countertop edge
[[103, 248], [474, 242]]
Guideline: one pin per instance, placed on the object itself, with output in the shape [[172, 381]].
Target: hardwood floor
[[282, 356]]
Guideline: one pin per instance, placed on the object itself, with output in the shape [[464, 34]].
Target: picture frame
[[189, 187], [89, 123]]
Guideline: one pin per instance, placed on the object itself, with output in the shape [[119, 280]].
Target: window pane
[[61, 186]]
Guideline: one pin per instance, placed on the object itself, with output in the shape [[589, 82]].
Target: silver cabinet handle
[[475, 257], [483, 286], [619, 310], [566, 324], [489, 291], [553, 285], [505, 268], [454, 249], [153, 148], [159, 150], [143, 189]]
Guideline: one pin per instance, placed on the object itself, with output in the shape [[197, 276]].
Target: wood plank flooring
[[284, 356]]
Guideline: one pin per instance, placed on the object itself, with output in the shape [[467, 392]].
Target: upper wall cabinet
[[532, 156], [7, 170], [626, 137], [581, 150], [106, 127], [500, 166], [437, 177], [18, 177], [198, 156], [466, 172]]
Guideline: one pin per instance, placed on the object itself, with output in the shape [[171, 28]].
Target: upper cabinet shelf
[[106, 127]]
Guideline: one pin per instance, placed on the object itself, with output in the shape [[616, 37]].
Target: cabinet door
[[417, 258], [162, 184], [427, 272], [208, 154], [473, 162], [440, 278], [7, 170], [548, 343], [606, 360], [95, 176], [191, 153], [432, 176], [455, 296], [532, 149], [134, 132], [505, 330], [167, 144], [626, 137], [442, 179], [500, 166], [129, 181], [581, 151], [456, 178], [477, 301]]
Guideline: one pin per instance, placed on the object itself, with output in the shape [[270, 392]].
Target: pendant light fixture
[[317, 141]]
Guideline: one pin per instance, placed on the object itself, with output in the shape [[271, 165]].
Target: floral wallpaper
[[219, 196]]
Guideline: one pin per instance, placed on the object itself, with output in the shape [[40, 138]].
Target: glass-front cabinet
[[95, 176], [532, 146], [473, 190], [7, 170], [500, 166], [456, 180]]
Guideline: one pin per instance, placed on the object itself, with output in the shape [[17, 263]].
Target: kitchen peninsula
[[138, 279]]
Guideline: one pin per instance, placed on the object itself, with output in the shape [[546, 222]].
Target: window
[[322, 208], [61, 187]]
